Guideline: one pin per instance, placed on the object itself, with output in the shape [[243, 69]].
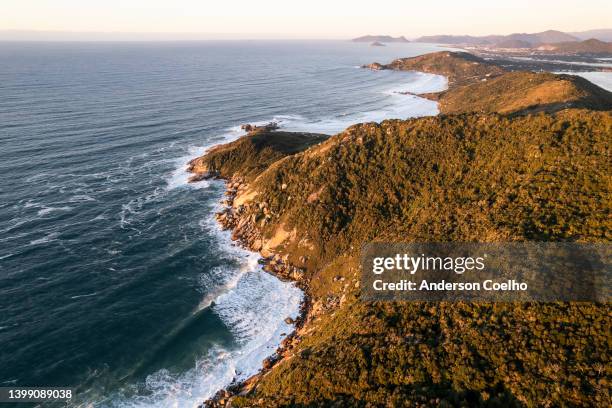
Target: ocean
[[114, 277]]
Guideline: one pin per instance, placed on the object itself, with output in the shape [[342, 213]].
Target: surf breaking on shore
[[251, 302]]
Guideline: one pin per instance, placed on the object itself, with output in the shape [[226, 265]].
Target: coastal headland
[[514, 156], [479, 85]]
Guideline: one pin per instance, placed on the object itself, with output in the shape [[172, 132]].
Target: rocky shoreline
[[245, 232]]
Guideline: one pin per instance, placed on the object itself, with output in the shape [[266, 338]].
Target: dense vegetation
[[525, 92], [253, 153], [458, 67], [412, 354], [449, 178], [469, 177]]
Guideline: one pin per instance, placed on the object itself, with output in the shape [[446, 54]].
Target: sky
[[333, 19]]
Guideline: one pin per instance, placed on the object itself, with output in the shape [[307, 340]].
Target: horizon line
[[26, 35]]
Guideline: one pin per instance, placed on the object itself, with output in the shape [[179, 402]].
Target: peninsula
[[511, 158], [478, 85]]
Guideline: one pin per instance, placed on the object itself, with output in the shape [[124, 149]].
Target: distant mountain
[[602, 35], [591, 46], [380, 38], [545, 37], [513, 44], [454, 39]]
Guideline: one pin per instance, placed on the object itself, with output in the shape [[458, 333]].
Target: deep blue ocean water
[[114, 277]]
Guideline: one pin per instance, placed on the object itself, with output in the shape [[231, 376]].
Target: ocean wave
[[48, 210], [84, 296], [134, 207], [254, 311], [251, 303], [79, 198], [46, 239], [179, 176], [421, 83]]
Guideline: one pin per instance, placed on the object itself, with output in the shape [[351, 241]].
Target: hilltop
[[477, 85], [469, 177], [591, 46], [251, 154], [525, 92], [513, 44], [601, 34]]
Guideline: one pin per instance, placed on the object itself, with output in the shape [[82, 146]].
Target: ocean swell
[[251, 303]]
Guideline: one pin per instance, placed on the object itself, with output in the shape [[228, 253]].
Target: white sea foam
[[47, 238], [398, 107], [180, 176], [134, 206], [252, 304], [254, 310], [84, 296], [79, 198], [99, 217], [48, 210], [420, 83]]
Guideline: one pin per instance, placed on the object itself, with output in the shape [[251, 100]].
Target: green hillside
[[468, 177]]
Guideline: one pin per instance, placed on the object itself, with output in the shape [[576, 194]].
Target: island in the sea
[[380, 38], [514, 155]]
